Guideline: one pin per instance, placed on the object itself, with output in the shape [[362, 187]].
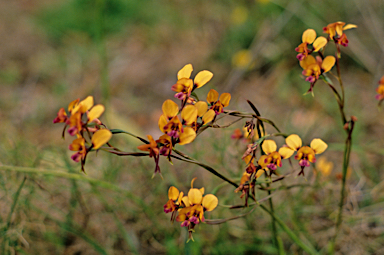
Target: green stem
[[347, 153], [306, 247], [346, 156], [274, 228]]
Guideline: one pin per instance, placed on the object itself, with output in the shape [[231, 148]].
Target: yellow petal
[[202, 108], [173, 193], [180, 197], [170, 109], [328, 63], [339, 27], [208, 116], [202, 190], [319, 43], [294, 142], [162, 122], [187, 136], [349, 26], [248, 158], [189, 114], [185, 72], [87, 103], [195, 196], [261, 161], [286, 152], [310, 60], [260, 172], [309, 36], [212, 96], [72, 105], [202, 78], [95, 112], [77, 144], [225, 98], [101, 137], [269, 146], [186, 202], [318, 146], [210, 202]]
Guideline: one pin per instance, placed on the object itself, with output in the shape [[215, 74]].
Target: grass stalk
[[9, 219]]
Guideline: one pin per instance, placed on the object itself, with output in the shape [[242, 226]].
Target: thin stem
[[346, 156], [273, 223], [306, 247]]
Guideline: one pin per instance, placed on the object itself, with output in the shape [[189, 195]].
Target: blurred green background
[[126, 53]]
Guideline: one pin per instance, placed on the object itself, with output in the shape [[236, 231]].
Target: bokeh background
[[126, 53]]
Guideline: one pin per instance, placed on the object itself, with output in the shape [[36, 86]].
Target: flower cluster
[[83, 122], [181, 124], [335, 32], [271, 159], [189, 209], [314, 67]]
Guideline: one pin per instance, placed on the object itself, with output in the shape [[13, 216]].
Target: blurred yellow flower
[[324, 166], [242, 59], [239, 15]]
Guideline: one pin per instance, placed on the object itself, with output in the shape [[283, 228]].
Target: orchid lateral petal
[[261, 161], [328, 63], [269, 146], [187, 136], [309, 36], [294, 142], [208, 116], [189, 114], [319, 43], [173, 193], [95, 112], [286, 152], [318, 146], [210, 202], [202, 78], [212, 96], [195, 196], [77, 144], [170, 109], [349, 26], [202, 108], [310, 60], [185, 72], [225, 98], [100, 138], [260, 172]]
